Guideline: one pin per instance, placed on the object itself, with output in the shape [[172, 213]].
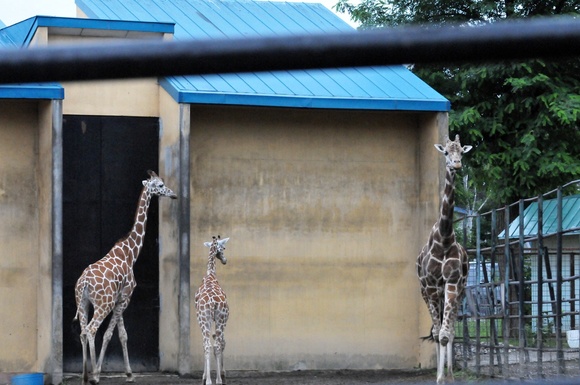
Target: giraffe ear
[[223, 241], [144, 183], [467, 148], [440, 148], [207, 244]]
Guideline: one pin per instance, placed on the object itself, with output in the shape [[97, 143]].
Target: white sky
[[14, 11]]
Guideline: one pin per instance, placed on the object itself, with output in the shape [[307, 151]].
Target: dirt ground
[[309, 377], [316, 377]]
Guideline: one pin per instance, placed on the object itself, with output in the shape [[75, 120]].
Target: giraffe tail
[[430, 337]]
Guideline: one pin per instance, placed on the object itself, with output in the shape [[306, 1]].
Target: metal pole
[[57, 245], [493, 342], [560, 354], [512, 39], [184, 242], [540, 322], [477, 282], [521, 291], [507, 294]]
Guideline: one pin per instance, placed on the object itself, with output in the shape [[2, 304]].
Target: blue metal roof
[[376, 88], [570, 217]]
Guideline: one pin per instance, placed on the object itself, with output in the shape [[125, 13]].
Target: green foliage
[[523, 118]]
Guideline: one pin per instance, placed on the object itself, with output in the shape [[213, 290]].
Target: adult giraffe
[[442, 265], [109, 283]]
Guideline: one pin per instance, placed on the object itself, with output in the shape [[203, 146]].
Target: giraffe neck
[[136, 236], [211, 259], [447, 205]]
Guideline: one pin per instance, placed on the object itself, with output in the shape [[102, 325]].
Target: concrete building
[[325, 180]]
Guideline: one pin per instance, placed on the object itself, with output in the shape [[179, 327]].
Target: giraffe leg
[[85, 375], [82, 302], [98, 317], [218, 350], [447, 333], [450, 358], [106, 339], [204, 320], [441, 349], [82, 315], [123, 337], [221, 318], [206, 350], [95, 379]]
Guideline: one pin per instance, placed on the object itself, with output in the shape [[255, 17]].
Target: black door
[[105, 159]]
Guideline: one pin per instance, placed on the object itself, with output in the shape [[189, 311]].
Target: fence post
[[477, 280], [507, 292], [521, 290], [560, 353], [540, 260]]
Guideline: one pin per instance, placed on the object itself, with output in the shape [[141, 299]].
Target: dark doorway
[[105, 159]]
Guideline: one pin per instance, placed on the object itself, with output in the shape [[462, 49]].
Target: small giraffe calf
[[212, 307]]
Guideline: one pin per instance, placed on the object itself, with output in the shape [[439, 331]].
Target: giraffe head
[[453, 152], [217, 246], [156, 186]]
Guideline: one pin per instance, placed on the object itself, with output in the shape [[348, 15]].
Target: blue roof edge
[[349, 103], [113, 25], [52, 91], [24, 31]]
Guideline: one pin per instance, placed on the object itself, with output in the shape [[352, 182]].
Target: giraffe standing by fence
[[109, 283], [442, 265], [212, 307]]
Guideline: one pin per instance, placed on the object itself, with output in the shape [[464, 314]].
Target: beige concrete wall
[[326, 212], [19, 236], [136, 97]]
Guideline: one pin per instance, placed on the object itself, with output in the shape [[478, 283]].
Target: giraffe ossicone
[[108, 284], [212, 309], [443, 264]]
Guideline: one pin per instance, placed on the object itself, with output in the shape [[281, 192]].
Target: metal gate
[[520, 315]]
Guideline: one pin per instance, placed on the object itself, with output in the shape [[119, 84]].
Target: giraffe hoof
[[130, 379]]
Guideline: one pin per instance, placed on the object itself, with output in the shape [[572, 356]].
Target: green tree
[[522, 117]]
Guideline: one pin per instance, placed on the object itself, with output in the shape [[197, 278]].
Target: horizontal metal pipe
[[559, 37]]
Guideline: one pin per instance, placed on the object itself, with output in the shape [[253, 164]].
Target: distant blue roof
[[570, 218], [378, 88]]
